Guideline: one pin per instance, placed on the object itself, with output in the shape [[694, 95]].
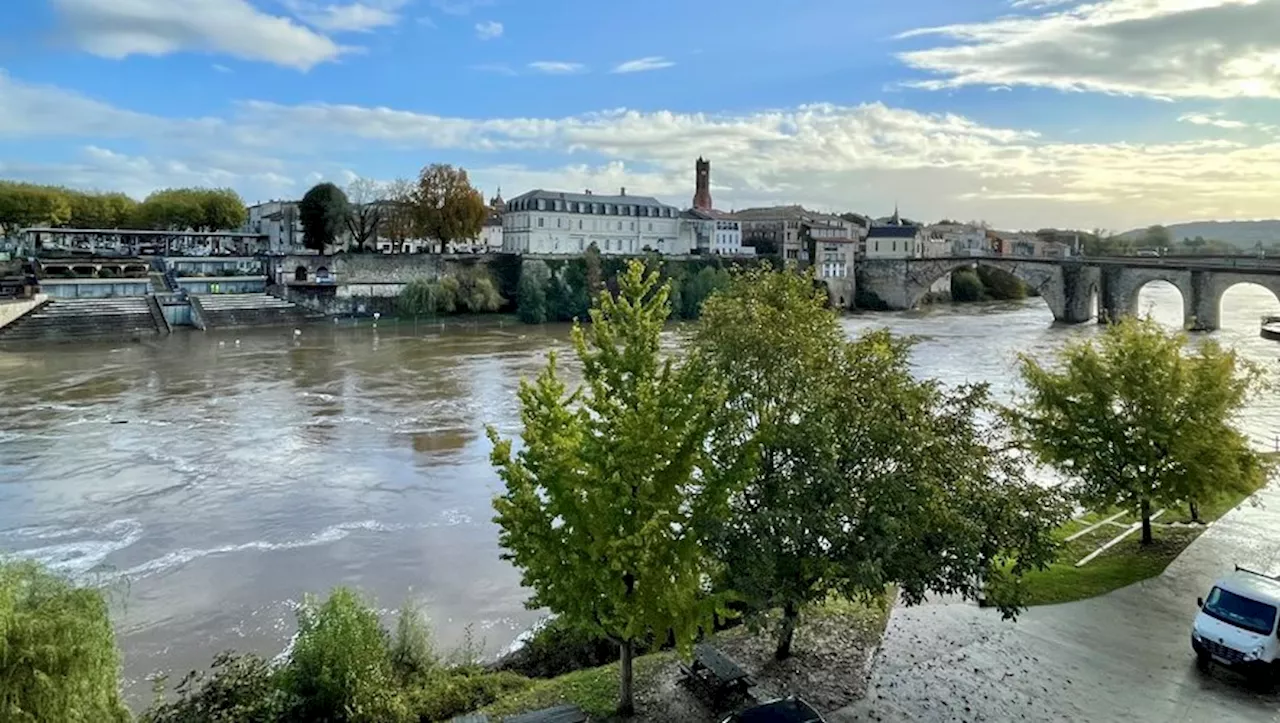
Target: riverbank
[[834, 646]]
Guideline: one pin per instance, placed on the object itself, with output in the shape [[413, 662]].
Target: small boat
[[1271, 328]]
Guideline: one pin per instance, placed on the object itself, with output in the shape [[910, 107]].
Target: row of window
[[606, 209], [834, 270]]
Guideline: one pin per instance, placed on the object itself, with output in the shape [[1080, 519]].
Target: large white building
[[552, 222]]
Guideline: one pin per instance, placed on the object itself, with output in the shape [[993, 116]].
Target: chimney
[[624, 190]]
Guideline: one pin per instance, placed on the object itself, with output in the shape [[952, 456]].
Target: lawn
[[594, 690], [1126, 563]]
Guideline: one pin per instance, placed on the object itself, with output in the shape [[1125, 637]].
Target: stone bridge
[[1072, 285]]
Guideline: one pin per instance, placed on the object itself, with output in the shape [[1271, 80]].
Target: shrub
[[1001, 284], [241, 689], [556, 648], [477, 291], [966, 286], [418, 298], [106, 272], [531, 295], [340, 669], [447, 696], [448, 294], [413, 654], [58, 657]]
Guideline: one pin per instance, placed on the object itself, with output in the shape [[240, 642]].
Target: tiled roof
[[587, 198], [892, 232]]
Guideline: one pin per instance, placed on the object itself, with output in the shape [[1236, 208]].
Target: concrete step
[[84, 319], [220, 311]]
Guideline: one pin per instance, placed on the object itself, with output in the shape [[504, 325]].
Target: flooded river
[[209, 481]]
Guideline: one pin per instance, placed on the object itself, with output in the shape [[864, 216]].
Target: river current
[[209, 481]]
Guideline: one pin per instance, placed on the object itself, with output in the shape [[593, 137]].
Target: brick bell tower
[[702, 196]]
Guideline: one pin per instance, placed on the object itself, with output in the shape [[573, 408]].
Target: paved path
[[1124, 656]]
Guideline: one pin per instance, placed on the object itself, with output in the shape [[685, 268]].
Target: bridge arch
[[1046, 279], [1209, 310]]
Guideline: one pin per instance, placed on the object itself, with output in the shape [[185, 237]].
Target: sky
[[1104, 114]]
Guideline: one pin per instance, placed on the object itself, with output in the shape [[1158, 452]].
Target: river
[[209, 481]]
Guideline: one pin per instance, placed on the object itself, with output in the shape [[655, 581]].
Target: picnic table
[[717, 674]]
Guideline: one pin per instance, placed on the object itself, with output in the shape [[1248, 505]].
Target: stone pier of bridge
[[1073, 288]]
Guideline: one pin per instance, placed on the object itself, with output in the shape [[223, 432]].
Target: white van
[[1236, 625]]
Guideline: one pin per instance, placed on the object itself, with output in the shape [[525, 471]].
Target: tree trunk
[[1195, 510], [1146, 521], [627, 704], [790, 615]]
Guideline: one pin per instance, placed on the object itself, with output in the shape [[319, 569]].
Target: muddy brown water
[[209, 481]]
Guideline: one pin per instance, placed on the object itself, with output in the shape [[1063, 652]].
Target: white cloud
[[1157, 48], [827, 156], [488, 30], [640, 65], [1216, 120], [354, 17], [459, 7], [120, 28], [556, 67], [221, 68]]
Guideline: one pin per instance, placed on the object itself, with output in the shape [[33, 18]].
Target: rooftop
[[1254, 585], [588, 198], [893, 232]]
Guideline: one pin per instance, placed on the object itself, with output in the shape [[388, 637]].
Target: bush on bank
[[58, 657], [470, 290]]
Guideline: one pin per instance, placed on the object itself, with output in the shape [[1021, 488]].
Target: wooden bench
[[716, 675]]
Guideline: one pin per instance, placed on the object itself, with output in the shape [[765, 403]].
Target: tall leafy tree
[[222, 209], [23, 205], [397, 212], [1134, 420], [603, 500], [323, 212], [860, 475], [446, 207]]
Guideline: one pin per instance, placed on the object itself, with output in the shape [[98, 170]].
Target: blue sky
[[1024, 113]]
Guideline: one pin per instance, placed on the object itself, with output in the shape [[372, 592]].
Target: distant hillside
[[1242, 234]]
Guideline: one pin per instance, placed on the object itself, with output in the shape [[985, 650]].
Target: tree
[[222, 209], [531, 295], [24, 205], [323, 212], [603, 500], [58, 658], [859, 475], [364, 219], [397, 216], [966, 286], [446, 207], [1133, 420]]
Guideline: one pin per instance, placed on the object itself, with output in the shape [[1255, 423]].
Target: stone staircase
[[220, 311], [113, 319]]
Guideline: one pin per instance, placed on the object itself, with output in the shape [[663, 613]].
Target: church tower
[[702, 196]]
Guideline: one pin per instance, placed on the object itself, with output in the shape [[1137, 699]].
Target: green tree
[[602, 501], [860, 475], [323, 213], [446, 207], [531, 295], [966, 286], [221, 209], [341, 669], [58, 658], [1133, 420], [1000, 284], [25, 205]]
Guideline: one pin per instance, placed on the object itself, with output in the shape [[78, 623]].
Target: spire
[[896, 220]]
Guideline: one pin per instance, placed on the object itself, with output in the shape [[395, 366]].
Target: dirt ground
[[829, 667]]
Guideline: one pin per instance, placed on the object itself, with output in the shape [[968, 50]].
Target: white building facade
[[552, 222], [961, 239], [895, 242], [280, 222], [712, 233]]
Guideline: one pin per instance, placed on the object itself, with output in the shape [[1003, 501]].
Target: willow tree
[[859, 474], [1133, 419], [605, 496]]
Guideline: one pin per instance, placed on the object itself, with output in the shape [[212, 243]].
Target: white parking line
[[1132, 529], [1094, 526]]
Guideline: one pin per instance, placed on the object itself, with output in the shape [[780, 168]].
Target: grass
[[594, 690], [1124, 564]]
